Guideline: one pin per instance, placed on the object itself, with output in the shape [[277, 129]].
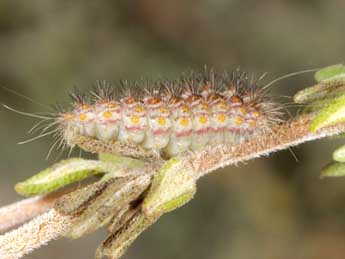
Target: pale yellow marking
[[164, 110], [161, 121], [203, 119], [83, 117], [238, 120], [68, 116], [204, 106], [184, 122], [223, 105], [85, 107], [135, 119], [139, 109], [113, 105], [256, 114], [185, 109], [221, 117], [107, 114]]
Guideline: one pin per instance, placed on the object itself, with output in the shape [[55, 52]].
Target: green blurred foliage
[[270, 208]]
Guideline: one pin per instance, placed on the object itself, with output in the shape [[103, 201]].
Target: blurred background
[[268, 208]]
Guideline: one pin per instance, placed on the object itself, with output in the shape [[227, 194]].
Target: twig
[[22, 211], [51, 225], [38, 232], [289, 134]]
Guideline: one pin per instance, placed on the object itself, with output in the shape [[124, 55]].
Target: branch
[[38, 232], [291, 133], [22, 211], [51, 225]]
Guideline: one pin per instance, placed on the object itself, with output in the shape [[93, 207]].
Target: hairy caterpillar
[[172, 117], [165, 117]]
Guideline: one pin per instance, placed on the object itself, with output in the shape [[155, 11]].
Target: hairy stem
[[23, 240], [291, 133], [24, 210]]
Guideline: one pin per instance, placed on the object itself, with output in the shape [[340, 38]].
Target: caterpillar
[[171, 117], [164, 118]]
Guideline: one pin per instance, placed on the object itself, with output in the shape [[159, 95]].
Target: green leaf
[[324, 91], [339, 154], [333, 170], [332, 114], [330, 84], [330, 73], [173, 186], [316, 106], [64, 173]]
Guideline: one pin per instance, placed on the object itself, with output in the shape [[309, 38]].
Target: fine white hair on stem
[[23, 240], [24, 210]]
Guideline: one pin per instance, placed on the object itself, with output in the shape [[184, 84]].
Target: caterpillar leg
[[125, 149]]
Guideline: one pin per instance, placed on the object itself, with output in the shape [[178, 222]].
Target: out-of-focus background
[[268, 208]]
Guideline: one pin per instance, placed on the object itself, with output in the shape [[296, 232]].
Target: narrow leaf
[[330, 73], [333, 170], [339, 154], [330, 115], [320, 92], [64, 173]]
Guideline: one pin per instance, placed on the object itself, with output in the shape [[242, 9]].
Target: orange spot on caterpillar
[[107, 114], [68, 116], [129, 100], [113, 105], [194, 97], [256, 113], [185, 109], [161, 121], [239, 120], [152, 101], [243, 109], [235, 100], [184, 122], [135, 119], [175, 100], [213, 97], [223, 105], [204, 106], [203, 119], [86, 107], [83, 117], [221, 117], [139, 109], [164, 110]]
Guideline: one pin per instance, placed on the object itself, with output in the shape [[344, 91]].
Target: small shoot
[[339, 154], [330, 73], [67, 172], [334, 169], [330, 84]]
